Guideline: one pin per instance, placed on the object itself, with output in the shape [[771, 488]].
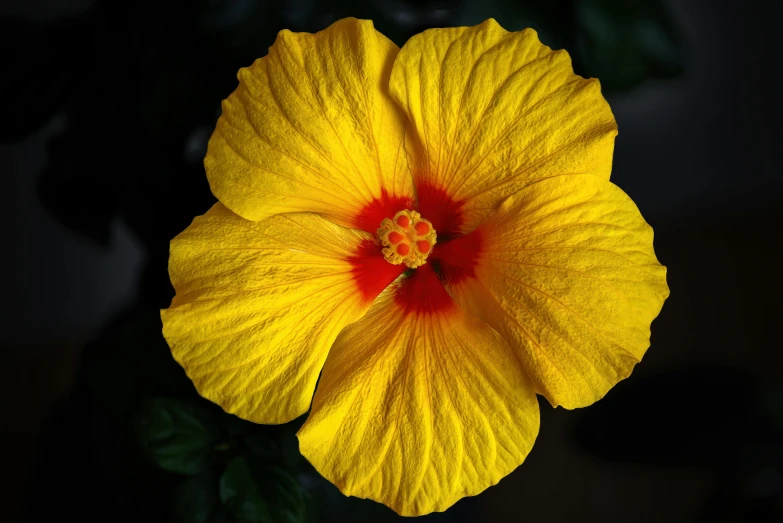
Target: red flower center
[[452, 259]]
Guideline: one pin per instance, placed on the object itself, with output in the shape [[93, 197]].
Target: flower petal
[[419, 404], [565, 271], [259, 304], [312, 128], [495, 111]]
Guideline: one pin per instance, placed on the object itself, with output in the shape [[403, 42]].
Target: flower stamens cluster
[[407, 238]]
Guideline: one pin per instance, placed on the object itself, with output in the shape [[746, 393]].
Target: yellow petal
[[495, 111], [259, 304], [565, 271], [311, 127], [419, 404]]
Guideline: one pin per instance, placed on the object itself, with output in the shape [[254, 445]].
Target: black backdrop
[[696, 434]]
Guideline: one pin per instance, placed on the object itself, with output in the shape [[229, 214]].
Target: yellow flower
[[430, 229]]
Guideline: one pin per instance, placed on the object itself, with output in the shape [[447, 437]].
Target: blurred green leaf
[[253, 493], [285, 497], [196, 499], [177, 436], [241, 495], [622, 43]]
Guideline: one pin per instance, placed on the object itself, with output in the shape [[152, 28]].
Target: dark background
[[106, 107]]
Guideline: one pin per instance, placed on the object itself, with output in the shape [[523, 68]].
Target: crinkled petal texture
[[419, 404], [258, 305], [565, 271], [495, 111], [311, 127]]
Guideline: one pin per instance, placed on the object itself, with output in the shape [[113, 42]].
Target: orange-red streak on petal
[[371, 272], [371, 216], [443, 211], [423, 293]]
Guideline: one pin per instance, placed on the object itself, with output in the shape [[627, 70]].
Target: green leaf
[[177, 436], [254, 493], [196, 499], [241, 495], [284, 496], [622, 43]]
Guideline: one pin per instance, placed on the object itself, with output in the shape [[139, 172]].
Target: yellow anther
[[407, 238]]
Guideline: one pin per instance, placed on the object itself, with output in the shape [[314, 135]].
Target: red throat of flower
[[406, 239]]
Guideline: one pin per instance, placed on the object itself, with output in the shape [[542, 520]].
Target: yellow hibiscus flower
[[432, 231]]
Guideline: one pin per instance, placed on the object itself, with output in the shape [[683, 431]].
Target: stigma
[[407, 238]]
